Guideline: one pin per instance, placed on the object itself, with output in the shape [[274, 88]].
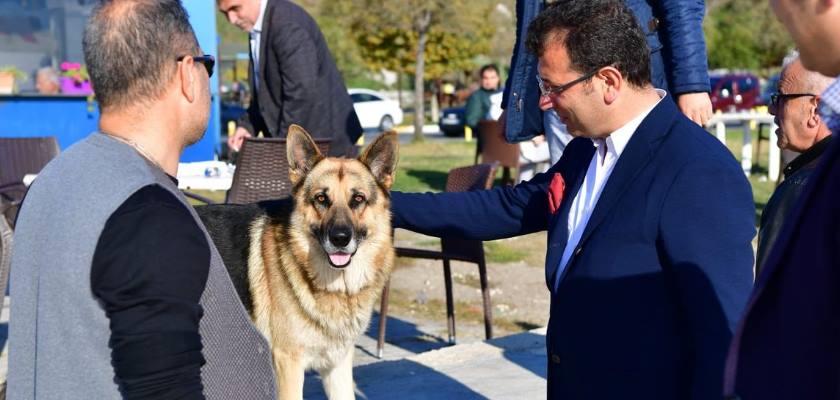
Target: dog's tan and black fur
[[309, 269]]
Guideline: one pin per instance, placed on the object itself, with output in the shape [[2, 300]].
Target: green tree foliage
[[744, 34], [332, 18], [425, 38]]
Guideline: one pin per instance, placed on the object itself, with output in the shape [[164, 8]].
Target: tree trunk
[[434, 104], [399, 89], [422, 27]]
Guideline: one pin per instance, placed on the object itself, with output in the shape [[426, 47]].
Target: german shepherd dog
[[309, 269]]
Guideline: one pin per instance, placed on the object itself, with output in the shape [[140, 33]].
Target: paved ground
[[511, 367]]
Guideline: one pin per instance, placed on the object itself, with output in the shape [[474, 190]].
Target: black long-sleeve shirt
[[149, 270]]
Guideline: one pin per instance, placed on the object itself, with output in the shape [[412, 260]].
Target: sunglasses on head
[[207, 60]]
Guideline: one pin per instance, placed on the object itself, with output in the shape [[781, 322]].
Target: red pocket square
[[555, 192]]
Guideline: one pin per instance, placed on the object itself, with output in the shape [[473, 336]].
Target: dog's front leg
[[290, 371], [338, 381]]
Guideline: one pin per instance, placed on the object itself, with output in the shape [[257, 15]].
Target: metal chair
[[463, 179], [262, 171], [20, 157]]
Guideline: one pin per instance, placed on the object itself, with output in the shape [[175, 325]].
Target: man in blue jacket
[[649, 218], [674, 35]]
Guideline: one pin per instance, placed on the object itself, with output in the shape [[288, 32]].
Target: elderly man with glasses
[[802, 130], [650, 219]]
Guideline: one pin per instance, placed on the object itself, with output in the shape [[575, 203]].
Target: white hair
[[790, 57], [49, 73], [811, 81]]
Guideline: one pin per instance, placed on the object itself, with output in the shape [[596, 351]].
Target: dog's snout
[[340, 235]]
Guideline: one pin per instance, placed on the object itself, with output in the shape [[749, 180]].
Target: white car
[[375, 110]]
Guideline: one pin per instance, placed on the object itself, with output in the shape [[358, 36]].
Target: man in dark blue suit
[[649, 258], [788, 344]]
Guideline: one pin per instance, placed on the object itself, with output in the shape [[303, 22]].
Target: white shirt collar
[[617, 141], [259, 23]]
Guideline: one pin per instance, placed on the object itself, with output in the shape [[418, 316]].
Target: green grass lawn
[[423, 166]]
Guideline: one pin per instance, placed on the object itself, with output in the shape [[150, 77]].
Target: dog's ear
[[301, 152], [381, 157]]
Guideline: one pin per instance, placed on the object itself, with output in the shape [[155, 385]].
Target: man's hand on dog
[[235, 141]]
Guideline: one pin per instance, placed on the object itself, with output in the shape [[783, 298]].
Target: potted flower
[[74, 79], [10, 76]]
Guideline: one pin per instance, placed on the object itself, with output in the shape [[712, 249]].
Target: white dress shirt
[[607, 152], [254, 37]]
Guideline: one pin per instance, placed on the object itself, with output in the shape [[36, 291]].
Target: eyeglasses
[[776, 98], [207, 60], [548, 90]]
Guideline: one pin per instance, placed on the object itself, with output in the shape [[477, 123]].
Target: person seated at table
[[46, 81]]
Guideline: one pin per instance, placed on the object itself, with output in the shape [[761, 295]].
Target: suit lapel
[[559, 221], [636, 155], [265, 37]]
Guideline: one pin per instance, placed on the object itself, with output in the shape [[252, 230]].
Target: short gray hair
[[131, 48], [48, 72], [790, 57], [811, 81]]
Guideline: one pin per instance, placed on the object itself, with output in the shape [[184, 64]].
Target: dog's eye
[[320, 198], [358, 199]]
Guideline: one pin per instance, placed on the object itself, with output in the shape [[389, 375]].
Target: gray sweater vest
[[58, 340]]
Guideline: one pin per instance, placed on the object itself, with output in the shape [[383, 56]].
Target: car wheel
[[453, 131], [386, 124]]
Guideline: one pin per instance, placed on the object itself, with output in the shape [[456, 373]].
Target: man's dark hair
[[488, 67], [131, 49], [596, 34]]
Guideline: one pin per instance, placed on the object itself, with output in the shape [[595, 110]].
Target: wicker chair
[[475, 177], [18, 158], [262, 171]]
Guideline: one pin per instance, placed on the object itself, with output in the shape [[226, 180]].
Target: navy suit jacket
[[646, 307], [788, 344]]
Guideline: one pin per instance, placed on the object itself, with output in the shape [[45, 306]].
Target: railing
[[748, 120]]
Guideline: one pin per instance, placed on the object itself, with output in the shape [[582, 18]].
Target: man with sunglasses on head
[[118, 290], [802, 130], [650, 219]]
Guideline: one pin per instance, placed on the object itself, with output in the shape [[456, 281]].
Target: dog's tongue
[[340, 259]]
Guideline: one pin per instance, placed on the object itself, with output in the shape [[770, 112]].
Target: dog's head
[[344, 203]]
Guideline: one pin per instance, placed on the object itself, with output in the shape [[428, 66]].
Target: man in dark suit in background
[[294, 79], [788, 343], [649, 258]]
